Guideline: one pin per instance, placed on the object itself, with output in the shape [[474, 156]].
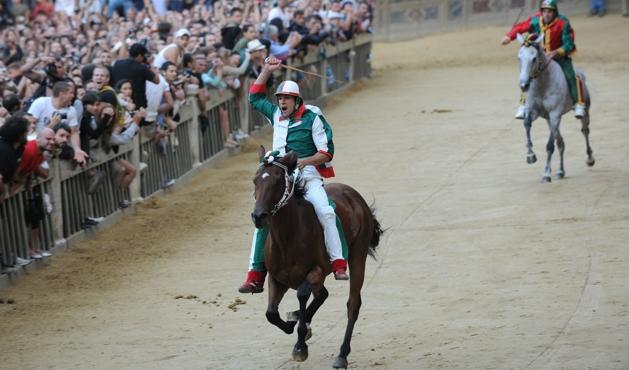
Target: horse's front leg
[[276, 293], [300, 351], [530, 155], [553, 126], [320, 293], [561, 173], [585, 129]]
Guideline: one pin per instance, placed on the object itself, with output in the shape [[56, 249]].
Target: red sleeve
[[325, 153], [521, 27], [257, 89]]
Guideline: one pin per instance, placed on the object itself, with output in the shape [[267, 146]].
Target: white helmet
[[288, 87]]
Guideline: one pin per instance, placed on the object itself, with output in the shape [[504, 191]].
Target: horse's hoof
[[531, 158], [300, 354], [546, 179], [290, 327], [560, 175], [590, 161], [340, 363]]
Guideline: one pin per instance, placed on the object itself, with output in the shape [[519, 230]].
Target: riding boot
[[520, 113], [254, 282], [257, 271], [334, 247]]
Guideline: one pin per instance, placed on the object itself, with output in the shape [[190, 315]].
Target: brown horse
[[295, 253]]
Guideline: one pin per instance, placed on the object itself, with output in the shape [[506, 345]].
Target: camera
[[63, 116], [187, 72]]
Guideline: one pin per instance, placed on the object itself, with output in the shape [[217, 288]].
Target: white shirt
[[154, 97], [160, 59], [278, 13], [42, 109]]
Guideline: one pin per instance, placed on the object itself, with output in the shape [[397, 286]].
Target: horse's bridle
[[540, 68], [287, 194]]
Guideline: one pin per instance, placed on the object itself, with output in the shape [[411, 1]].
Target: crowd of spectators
[[82, 76]]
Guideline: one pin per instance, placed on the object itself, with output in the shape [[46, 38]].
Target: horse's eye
[[534, 60]]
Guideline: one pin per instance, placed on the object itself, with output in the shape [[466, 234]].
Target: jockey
[[558, 44], [303, 129]]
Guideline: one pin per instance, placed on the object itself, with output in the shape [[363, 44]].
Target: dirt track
[[482, 266]]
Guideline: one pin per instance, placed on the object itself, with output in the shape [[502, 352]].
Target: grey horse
[[547, 96]]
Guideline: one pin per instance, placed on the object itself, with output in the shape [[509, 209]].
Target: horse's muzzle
[[260, 219]]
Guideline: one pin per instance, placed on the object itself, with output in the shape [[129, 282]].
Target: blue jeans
[[115, 4], [597, 6]]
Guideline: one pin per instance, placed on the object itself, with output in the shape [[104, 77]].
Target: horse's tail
[[375, 236]]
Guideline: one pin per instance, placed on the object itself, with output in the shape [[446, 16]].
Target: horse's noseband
[[290, 180]]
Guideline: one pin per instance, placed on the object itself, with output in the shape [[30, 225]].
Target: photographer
[[52, 73], [49, 111]]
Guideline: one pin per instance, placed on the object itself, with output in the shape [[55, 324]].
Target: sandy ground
[[482, 267]]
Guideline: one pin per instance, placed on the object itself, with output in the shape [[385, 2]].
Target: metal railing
[[195, 141]]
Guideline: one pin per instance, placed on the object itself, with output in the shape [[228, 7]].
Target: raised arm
[[257, 92]]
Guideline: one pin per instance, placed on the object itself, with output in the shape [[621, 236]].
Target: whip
[[306, 72]]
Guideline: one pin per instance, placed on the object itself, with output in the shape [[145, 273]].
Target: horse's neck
[[285, 217]]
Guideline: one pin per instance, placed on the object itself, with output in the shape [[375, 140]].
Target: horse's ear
[[539, 39], [520, 38], [290, 160], [261, 152]]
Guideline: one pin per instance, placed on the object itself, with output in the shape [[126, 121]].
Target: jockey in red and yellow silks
[[558, 44]]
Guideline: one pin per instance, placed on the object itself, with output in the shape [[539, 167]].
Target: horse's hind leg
[[276, 293], [357, 276], [300, 351], [562, 146], [530, 155], [585, 129]]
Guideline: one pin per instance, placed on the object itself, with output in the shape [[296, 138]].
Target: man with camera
[[50, 111]]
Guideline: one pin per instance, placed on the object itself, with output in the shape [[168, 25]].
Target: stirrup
[[579, 111], [520, 113]]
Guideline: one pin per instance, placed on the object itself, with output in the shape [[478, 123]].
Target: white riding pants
[[315, 194]]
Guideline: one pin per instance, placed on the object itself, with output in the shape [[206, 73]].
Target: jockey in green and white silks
[[303, 129]]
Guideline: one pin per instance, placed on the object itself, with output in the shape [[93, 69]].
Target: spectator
[[174, 52], [362, 18], [281, 12], [50, 111], [315, 34], [231, 31], [12, 140], [279, 50], [34, 163], [597, 7], [249, 33], [298, 23], [258, 54], [124, 89], [137, 70], [62, 135]]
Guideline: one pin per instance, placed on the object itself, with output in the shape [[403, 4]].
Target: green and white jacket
[[305, 132]]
